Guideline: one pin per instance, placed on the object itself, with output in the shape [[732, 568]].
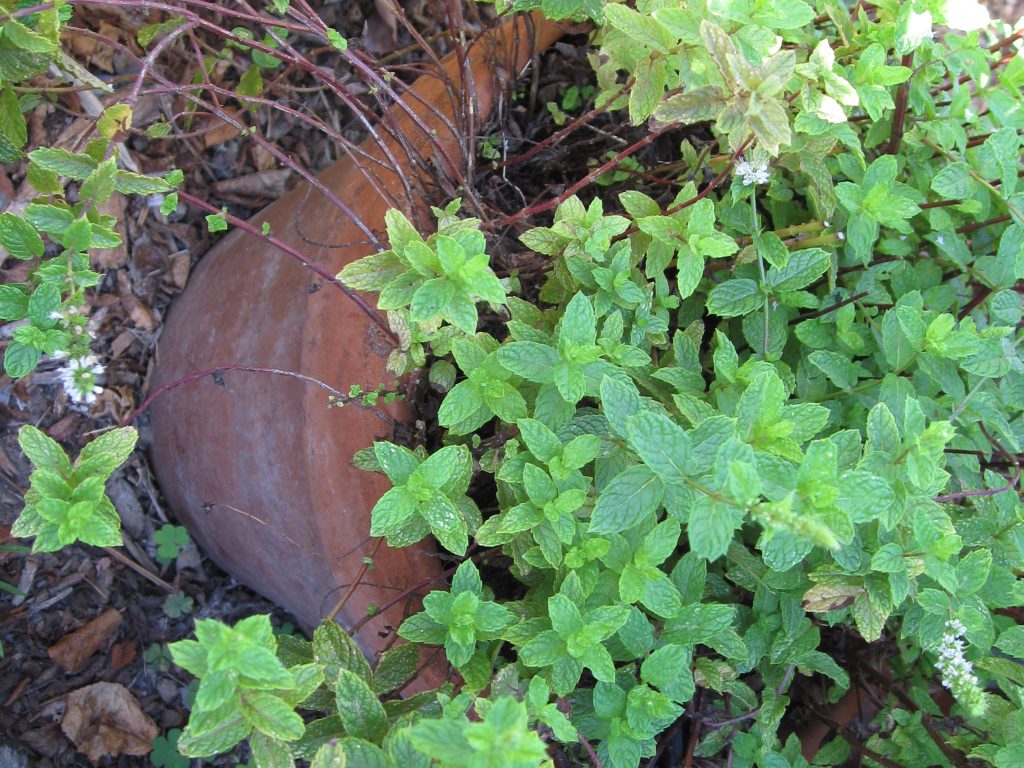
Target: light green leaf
[[628, 499], [330, 755], [43, 451], [529, 359], [270, 715], [802, 268], [107, 452], [212, 732], [19, 238], [973, 571], [697, 105], [359, 708], [128, 183], [64, 163], [710, 527], [662, 445], [735, 297], [954, 181]]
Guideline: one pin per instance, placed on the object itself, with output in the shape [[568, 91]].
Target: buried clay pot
[[257, 466]]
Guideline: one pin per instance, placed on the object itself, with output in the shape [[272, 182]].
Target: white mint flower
[[966, 15], [956, 671], [752, 173], [919, 26], [56, 315], [80, 378]]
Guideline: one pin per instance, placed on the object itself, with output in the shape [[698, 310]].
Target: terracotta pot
[[259, 468]]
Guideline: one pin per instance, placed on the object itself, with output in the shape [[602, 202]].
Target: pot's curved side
[[256, 465], [508, 50]]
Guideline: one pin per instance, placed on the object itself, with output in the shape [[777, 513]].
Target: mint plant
[[459, 619], [52, 302], [429, 496], [802, 423], [437, 279], [727, 432], [67, 503], [499, 740], [575, 640], [244, 689]]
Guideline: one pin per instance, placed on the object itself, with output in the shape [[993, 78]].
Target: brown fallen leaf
[[380, 30], [121, 343], [177, 275], [122, 654], [260, 184], [115, 402], [141, 315], [72, 651], [83, 46], [105, 719], [63, 429], [262, 158], [219, 131]]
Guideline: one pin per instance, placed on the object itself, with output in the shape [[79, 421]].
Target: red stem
[[979, 224], [559, 134], [585, 181], [282, 246], [900, 115], [270, 147], [826, 310], [986, 492], [715, 182], [198, 375]]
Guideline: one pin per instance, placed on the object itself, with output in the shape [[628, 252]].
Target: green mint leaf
[[711, 526], [76, 166], [359, 708], [43, 451], [801, 269], [128, 183], [395, 668], [19, 238], [217, 222], [336, 40], [662, 445], [735, 297], [630, 497], [169, 204]]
